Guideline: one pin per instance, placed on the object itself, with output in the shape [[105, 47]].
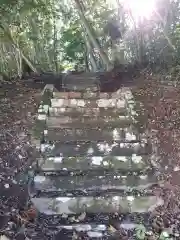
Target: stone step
[[108, 203], [92, 183], [84, 76], [89, 103], [93, 158], [126, 164], [80, 86], [74, 132], [88, 122], [124, 93], [80, 81], [85, 230], [87, 95], [102, 148], [88, 112], [95, 230]]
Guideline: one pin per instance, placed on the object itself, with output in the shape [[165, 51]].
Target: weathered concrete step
[[87, 122], [126, 164], [86, 230], [91, 183], [87, 95], [81, 81], [80, 112], [107, 203], [81, 86], [90, 103], [74, 132], [82, 76], [95, 149], [94, 230]]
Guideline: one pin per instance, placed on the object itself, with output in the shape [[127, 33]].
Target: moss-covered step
[[80, 112], [108, 203], [126, 164], [97, 132], [100, 148]]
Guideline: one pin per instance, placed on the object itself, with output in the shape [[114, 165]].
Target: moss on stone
[[39, 128]]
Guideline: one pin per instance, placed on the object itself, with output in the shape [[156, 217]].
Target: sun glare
[[140, 8]]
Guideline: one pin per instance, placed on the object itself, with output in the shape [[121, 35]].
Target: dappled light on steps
[[95, 156]]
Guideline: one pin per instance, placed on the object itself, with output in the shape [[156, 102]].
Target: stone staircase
[[96, 163], [79, 82]]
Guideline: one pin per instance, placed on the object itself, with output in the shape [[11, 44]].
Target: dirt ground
[[162, 109], [18, 107]]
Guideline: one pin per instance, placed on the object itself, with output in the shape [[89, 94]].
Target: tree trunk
[[91, 56], [121, 19], [86, 62], [28, 62], [9, 35], [89, 53], [92, 61], [18, 58], [138, 40], [91, 36], [55, 45]]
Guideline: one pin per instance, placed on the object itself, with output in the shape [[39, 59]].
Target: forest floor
[[18, 107], [162, 110]]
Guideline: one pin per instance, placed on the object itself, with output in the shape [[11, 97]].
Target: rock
[[3, 237]]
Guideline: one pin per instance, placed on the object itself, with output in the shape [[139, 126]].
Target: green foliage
[[140, 232], [51, 34], [73, 44]]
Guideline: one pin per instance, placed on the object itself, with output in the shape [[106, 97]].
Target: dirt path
[[162, 107], [18, 105]]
